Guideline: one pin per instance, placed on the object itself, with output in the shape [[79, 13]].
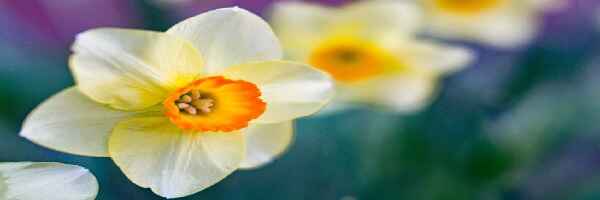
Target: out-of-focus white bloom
[[46, 181], [370, 49], [500, 23]]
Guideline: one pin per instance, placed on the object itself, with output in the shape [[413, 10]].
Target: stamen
[[203, 105], [194, 103], [183, 105], [186, 98], [195, 94], [191, 110]]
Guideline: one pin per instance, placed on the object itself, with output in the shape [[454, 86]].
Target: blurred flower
[[370, 49], [48, 181], [181, 110], [500, 23]]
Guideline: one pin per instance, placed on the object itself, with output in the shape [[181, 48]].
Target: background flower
[[370, 49]]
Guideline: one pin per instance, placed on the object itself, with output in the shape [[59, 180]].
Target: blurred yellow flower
[[500, 23], [179, 111], [47, 181], [370, 49]]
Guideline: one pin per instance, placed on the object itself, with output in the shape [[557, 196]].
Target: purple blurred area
[[54, 25]]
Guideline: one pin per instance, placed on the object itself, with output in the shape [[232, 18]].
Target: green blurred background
[[517, 124]]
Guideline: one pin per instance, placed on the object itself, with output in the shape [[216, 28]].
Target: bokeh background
[[517, 124]]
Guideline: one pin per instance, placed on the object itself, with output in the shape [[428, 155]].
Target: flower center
[[466, 7], [214, 104], [195, 103], [351, 59]]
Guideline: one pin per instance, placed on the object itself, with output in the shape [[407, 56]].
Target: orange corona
[[214, 104]]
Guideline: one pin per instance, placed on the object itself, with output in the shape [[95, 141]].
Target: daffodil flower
[[370, 49], [47, 181], [499, 23], [181, 110]]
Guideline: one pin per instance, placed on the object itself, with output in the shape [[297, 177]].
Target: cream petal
[[381, 20], [48, 181], [435, 57], [507, 30], [402, 93], [71, 122], [132, 69], [291, 90], [265, 142], [229, 36], [300, 26], [507, 27], [155, 154]]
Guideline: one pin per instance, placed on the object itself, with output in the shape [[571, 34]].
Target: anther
[[182, 105], [186, 99], [195, 94], [191, 110], [193, 103], [203, 105]]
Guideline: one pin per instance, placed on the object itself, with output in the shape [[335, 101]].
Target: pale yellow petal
[[403, 93], [266, 142], [229, 36], [407, 94], [381, 20], [47, 181], [71, 122], [300, 26], [512, 25], [291, 90], [507, 30], [155, 154], [433, 56], [132, 69]]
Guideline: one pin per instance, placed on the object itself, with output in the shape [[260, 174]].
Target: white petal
[[505, 28], [508, 31], [155, 154], [291, 90], [229, 36], [378, 20], [265, 142], [132, 69], [71, 122], [300, 26], [436, 57], [47, 181], [405, 93]]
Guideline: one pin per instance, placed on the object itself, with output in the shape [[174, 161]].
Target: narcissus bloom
[[370, 49], [500, 23], [179, 111], [47, 181]]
